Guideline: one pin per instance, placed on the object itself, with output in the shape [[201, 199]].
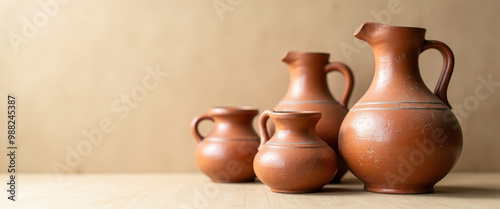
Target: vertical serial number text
[[11, 147]]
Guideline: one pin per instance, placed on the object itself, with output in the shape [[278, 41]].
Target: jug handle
[[264, 135], [194, 126], [448, 64], [349, 80]]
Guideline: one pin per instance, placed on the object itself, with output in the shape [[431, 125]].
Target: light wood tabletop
[[194, 190]]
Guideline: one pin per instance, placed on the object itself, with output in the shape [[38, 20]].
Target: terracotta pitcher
[[227, 153], [295, 159], [400, 137], [308, 91]]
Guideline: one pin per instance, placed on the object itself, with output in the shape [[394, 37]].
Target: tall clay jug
[[400, 137], [226, 154], [308, 91], [295, 159]]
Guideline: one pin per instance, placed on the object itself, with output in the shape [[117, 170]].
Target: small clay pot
[[227, 153], [295, 159]]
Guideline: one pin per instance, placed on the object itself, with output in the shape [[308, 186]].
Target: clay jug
[[400, 137], [226, 154], [308, 91], [295, 159]]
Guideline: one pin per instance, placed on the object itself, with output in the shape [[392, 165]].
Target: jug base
[[385, 190]]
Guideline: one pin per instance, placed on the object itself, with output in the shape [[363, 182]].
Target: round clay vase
[[400, 137], [295, 159], [308, 91], [226, 154]]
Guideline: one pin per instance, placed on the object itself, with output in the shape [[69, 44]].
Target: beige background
[[87, 54]]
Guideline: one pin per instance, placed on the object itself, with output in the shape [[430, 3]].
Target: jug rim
[[307, 52], [389, 26], [234, 110], [293, 55]]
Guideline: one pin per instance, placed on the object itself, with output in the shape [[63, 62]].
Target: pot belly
[[400, 150]]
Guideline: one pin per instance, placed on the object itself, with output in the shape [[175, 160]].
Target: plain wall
[[73, 73]]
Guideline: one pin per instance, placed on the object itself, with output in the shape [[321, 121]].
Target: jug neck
[[296, 126], [232, 123], [307, 76], [233, 120], [396, 50], [397, 62], [394, 47]]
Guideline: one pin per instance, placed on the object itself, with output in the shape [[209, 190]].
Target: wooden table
[[194, 190]]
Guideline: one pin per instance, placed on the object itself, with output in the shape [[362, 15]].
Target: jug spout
[[289, 57], [364, 31]]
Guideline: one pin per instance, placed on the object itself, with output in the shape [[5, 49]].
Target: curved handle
[[194, 125], [264, 135], [349, 80], [448, 64]]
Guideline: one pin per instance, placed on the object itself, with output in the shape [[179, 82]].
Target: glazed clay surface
[[400, 137], [295, 159], [308, 91], [226, 154]]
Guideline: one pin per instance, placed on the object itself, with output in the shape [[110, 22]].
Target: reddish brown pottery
[[400, 137], [295, 159], [227, 153], [308, 91]]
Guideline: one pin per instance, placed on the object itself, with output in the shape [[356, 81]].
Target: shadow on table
[[439, 191], [348, 186], [352, 185], [349, 181], [340, 191], [464, 192]]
